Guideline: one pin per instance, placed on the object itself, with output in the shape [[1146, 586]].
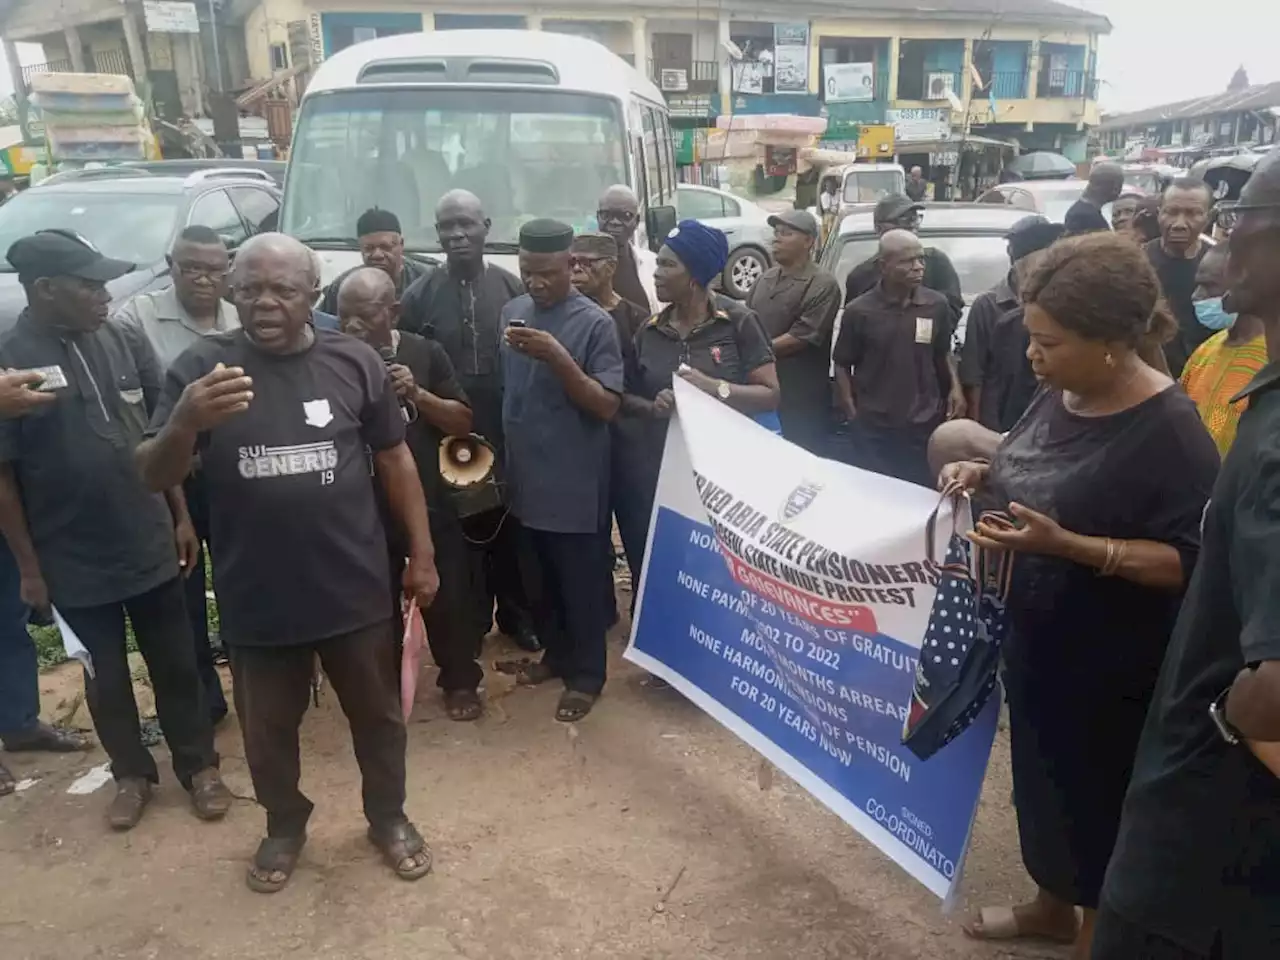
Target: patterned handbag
[[960, 655]]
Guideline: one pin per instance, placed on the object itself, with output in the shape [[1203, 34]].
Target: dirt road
[[642, 832]]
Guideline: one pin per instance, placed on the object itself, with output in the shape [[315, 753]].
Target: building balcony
[[694, 76], [52, 66], [1078, 84], [1007, 85]]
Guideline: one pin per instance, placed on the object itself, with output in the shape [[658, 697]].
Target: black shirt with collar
[[463, 316], [413, 271], [1083, 217], [100, 535], [939, 275], [300, 550], [1198, 854], [1178, 284], [994, 357], [899, 355]]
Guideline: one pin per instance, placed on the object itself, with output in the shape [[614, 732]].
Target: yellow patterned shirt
[[1216, 372]]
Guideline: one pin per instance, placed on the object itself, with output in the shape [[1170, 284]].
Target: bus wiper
[[330, 241]]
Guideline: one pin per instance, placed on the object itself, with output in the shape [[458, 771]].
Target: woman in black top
[[1106, 478], [714, 343]]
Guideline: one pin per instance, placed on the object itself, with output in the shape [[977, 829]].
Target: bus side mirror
[[659, 221]]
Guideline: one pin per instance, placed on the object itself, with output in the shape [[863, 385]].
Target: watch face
[[723, 390]]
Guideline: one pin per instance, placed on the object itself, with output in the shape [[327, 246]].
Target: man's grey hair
[[284, 244]]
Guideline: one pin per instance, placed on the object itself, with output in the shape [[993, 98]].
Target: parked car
[[175, 168], [743, 222], [1050, 198], [135, 216], [970, 234]]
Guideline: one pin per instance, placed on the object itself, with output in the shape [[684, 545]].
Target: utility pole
[[217, 56]]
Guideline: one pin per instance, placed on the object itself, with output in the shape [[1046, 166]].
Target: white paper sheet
[[71, 643]]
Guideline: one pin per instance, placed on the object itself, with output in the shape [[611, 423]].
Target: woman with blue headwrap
[[711, 341]]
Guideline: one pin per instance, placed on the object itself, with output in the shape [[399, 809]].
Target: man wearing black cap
[[994, 369], [797, 302], [900, 212], [563, 374], [459, 308], [88, 536], [381, 246]]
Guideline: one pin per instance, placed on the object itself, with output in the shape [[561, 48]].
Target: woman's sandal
[[463, 705], [403, 849], [574, 705], [274, 855]]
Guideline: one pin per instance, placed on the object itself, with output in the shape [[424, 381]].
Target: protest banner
[[788, 596]]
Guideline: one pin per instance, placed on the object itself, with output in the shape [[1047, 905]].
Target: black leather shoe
[[527, 640]]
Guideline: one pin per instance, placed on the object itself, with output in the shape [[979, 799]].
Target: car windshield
[[525, 154], [131, 226], [871, 186], [1143, 180], [980, 261]]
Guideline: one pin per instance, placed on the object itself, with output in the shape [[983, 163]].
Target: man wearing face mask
[[1224, 364]]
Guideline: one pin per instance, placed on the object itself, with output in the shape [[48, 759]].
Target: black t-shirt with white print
[[299, 551]]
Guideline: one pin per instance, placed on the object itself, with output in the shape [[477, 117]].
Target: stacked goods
[[91, 117]]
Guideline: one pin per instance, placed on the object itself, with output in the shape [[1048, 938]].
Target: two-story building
[[1247, 116], [1024, 73]]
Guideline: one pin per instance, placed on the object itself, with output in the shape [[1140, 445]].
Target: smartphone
[[516, 322], [52, 378]]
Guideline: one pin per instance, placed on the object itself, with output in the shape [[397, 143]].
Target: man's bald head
[[367, 306], [273, 285], [901, 258], [367, 284], [463, 229], [1106, 182], [282, 251], [618, 213]]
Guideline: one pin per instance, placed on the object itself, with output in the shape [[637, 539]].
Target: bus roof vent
[[486, 70], [460, 70], [404, 71]]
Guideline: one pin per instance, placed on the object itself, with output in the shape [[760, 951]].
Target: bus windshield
[[524, 153]]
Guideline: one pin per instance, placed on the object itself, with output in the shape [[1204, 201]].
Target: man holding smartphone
[[87, 535]]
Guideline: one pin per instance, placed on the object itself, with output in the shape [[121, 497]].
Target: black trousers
[[1115, 938], [632, 505], [900, 452], [494, 545], [452, 631], [271, 688], [565, 575], [160, 624], [196, 586]]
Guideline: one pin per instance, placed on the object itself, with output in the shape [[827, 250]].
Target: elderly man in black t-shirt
[[286, 418], [434, 406]]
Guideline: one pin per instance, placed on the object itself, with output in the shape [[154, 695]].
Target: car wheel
[[745, 267]]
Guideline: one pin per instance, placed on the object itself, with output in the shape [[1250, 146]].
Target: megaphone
[[467, 469]]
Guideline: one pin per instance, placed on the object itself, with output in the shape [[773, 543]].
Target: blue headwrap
[[703, 250]]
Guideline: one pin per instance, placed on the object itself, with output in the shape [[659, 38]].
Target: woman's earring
[[1109, 360]]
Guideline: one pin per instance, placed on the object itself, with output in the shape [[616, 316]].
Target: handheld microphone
[[407, 410]]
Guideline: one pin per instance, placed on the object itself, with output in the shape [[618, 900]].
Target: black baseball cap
[[801, 220], [62, 253], [895, 207]]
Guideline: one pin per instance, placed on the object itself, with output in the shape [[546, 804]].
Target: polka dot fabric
[[959, 657]]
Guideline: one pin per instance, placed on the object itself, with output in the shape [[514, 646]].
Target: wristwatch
[[722, 389], [1218, 714]]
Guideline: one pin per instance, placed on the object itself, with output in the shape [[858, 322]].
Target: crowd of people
[[298, 434]]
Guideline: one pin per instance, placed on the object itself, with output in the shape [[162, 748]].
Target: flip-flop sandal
[[7, 782], [574, 705], [401, 842], [528, 673], [1000, 923], [463, 705], [274, 855]]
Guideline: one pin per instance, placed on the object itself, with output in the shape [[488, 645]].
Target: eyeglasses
[[625, 217], [587, 263], [1228, 212], [194, 271]]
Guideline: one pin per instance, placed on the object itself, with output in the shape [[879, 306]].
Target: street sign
[[170, 16]]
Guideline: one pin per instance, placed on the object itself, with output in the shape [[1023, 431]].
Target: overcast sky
[[1158, 52]]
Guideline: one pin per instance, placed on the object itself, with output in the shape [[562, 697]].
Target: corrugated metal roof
[[1258, 97]]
